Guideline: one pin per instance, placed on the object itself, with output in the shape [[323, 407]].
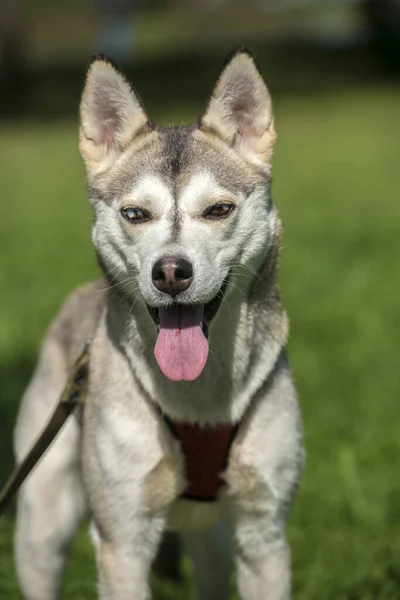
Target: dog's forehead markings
[[158, 193], [201, 186], [175, 149], [154, 188], [176, 161]]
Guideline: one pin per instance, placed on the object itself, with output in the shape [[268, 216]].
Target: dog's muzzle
[[181, 348]]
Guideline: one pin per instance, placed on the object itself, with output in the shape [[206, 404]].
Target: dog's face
[[178, 210]]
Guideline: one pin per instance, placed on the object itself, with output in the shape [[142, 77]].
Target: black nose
[[172, 275]]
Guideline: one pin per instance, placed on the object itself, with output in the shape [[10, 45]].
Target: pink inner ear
[[244, 118], [108, 139], [245, 124], [108, 127]]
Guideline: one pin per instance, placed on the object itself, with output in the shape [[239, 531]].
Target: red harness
[[206, 453]]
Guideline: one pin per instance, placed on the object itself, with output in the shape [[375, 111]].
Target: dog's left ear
[[111, 113], [240, 110]]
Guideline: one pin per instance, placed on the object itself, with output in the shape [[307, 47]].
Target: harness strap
[[206, 452], [72, 395]]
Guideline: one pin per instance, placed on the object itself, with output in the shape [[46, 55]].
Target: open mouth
[[181, 348]]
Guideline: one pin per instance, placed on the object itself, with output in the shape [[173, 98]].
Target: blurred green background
[[333, 71]]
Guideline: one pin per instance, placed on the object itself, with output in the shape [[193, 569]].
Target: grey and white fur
[[156, 193]]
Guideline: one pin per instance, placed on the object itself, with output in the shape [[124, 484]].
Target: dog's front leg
[[133, 473], [263, 560], [262, 476], [129, 520], [124, 563]]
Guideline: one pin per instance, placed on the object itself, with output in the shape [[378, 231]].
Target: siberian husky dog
[[191, 421]]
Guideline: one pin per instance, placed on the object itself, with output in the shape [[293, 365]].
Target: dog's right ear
[[239, 111], [111, 115]]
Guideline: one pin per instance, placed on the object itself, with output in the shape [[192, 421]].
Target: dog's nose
[[172, 275]]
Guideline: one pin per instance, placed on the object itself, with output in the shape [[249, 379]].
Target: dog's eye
[[219, 211], [135, 215]]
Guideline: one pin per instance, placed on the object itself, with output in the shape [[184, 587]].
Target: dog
[[191, 421]]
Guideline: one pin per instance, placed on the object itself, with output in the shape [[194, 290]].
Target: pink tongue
[[181, 349]]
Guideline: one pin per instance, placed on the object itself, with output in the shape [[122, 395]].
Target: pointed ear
[[240, 111], [111, 114]]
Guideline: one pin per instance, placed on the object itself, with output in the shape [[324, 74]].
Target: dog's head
[[178, 209]]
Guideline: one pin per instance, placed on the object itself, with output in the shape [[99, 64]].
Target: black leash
[[72, 395]]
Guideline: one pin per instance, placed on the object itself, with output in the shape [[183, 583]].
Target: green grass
[[337, 184]]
